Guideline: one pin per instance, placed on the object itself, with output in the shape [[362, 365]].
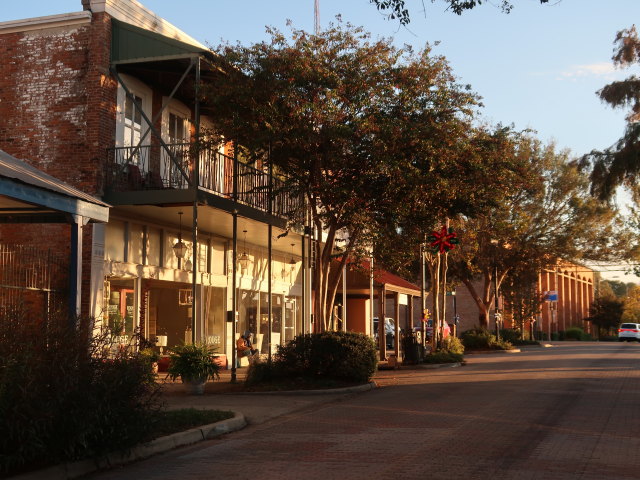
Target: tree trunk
[[327, 274]]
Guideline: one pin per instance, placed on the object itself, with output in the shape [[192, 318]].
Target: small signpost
[[551, 296]]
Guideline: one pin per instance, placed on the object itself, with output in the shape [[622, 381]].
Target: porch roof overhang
[[160, 60], [358, 281], [28, 195]]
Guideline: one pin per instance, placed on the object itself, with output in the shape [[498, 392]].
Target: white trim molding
[[41, 23]]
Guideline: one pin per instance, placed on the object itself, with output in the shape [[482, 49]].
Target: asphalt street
[[566, 412]]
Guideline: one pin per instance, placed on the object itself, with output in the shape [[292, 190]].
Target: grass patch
[[173, 421]]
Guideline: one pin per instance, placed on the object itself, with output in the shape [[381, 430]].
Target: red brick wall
[[57, 112]]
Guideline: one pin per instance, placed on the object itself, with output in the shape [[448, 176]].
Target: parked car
[[389, 330], [628, 332]]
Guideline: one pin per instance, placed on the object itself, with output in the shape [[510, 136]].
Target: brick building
[[105, 99], [572, 286]]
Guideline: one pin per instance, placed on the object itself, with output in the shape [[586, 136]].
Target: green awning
[[130, 44]]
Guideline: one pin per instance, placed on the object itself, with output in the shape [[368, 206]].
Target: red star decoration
[[443, 240]]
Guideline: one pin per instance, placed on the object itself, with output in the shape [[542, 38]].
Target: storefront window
[[276, 322], [248, 312], [292, 318], [170, 313], [214, 314]]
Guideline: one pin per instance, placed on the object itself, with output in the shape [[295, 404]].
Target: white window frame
[[139, 89]]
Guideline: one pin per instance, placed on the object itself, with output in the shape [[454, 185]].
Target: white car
[[389, 330], [628, 332]]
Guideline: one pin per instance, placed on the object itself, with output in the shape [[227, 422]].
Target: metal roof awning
[[358, 281], [134, 44], [28, 195], [162, 61]]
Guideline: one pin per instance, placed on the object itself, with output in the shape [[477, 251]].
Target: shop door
[[121, 312]]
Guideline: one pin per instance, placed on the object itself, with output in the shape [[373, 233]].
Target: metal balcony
[[154, 167]]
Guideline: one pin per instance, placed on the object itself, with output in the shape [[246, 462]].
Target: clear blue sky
[[538, 67]]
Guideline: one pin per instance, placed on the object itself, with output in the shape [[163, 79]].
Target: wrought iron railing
[[154, 167], [26, 272]]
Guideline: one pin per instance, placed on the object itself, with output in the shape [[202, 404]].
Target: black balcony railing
[[153, 167]]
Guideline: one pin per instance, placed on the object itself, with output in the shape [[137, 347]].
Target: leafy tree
[[475, 184], [619, 164], [546, 215], [520, 293], [398, 10], [618, 288], [359, 128], [603, 288], [632, 304], [606, 313]]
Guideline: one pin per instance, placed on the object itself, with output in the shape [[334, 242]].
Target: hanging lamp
[[243, 259], [180, 249]]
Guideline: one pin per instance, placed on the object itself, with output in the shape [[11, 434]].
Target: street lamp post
[[423, 319], [496, 314]]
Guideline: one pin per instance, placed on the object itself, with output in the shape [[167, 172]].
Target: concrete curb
[[492, 352], [328, 391], [159, 445], [433, 366]]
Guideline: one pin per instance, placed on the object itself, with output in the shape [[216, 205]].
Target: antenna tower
[[316, 17]]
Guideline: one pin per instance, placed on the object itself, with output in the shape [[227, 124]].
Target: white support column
[[96, 294]]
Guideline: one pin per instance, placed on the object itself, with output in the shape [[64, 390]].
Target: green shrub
[[479, 339], [344, 356], [265, 372], [540, 335], [443, 356], [453, 345], [510, 335], [574, 333], [67, 395]]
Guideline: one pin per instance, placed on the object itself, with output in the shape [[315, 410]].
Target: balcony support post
[[270, 254], [195, 304]]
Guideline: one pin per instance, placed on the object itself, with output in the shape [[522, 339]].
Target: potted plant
[[194, 364]]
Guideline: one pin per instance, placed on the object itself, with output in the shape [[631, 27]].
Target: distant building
[[567, 291]]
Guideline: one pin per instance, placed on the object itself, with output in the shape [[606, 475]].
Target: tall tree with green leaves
[[546, 215], [473, 185], [620, 164], [632, 304], [359, 128], [606, 313]]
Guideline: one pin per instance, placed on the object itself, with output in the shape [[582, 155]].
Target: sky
[[538, 67]]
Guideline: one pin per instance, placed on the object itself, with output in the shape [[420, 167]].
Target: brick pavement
[[564, 413]]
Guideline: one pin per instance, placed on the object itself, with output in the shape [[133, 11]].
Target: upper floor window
[[130, 123], [177, 128], [175, 122]]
